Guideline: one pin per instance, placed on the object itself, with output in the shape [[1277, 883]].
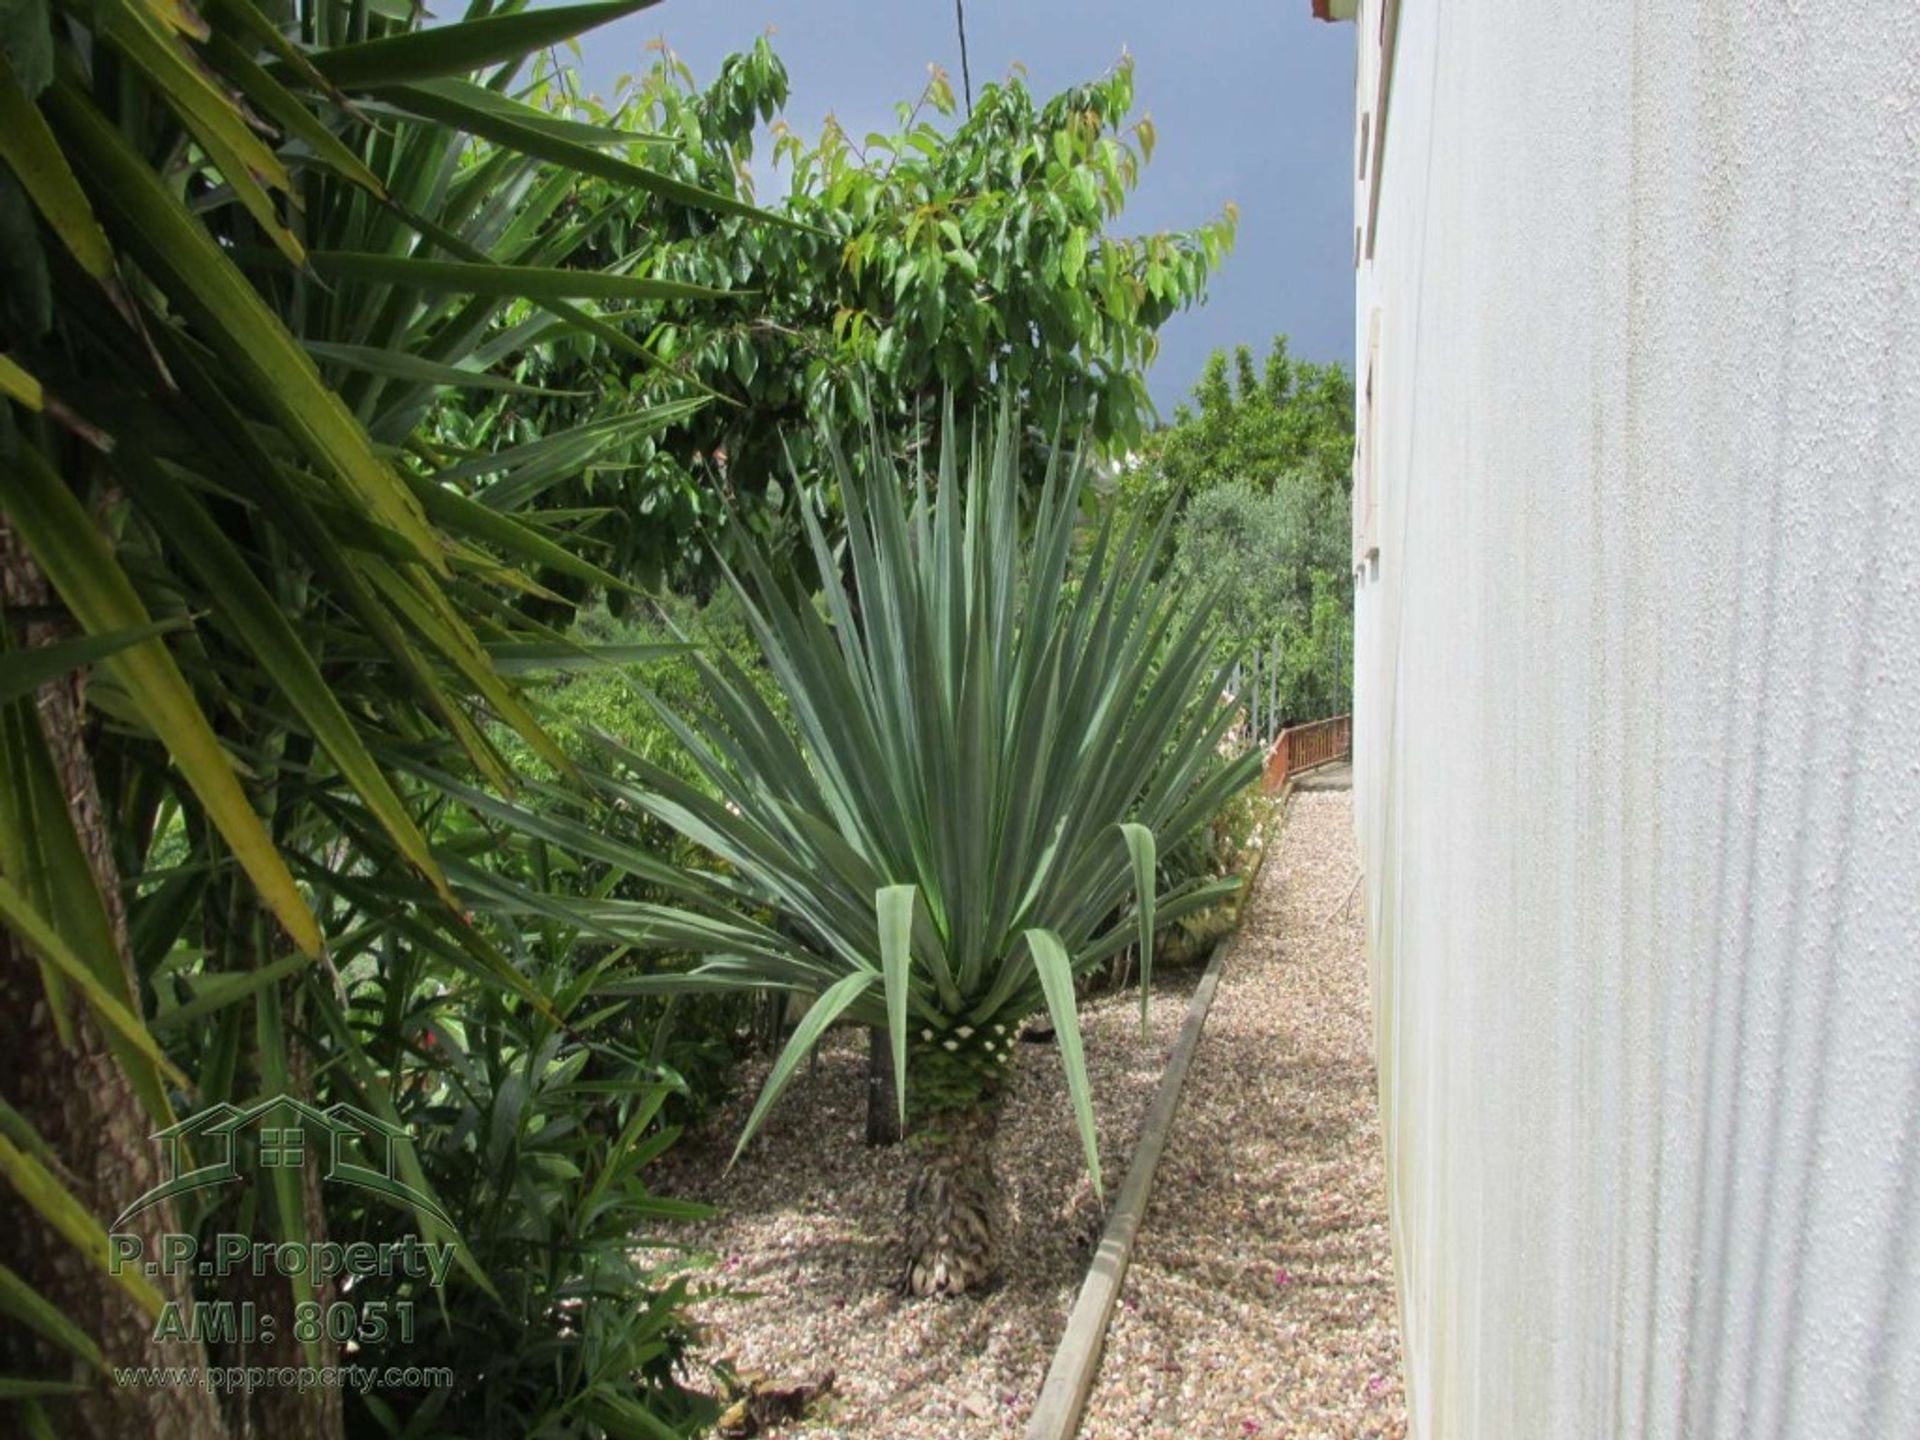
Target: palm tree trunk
[[953, 1205], [80, 1102]]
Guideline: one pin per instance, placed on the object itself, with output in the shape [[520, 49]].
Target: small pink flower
[[1281, 1277], [1377, 1385], [1249, 1427]]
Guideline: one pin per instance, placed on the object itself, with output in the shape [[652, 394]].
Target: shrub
[[1279, 557]]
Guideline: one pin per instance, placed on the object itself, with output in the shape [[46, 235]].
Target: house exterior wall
[[1637, 711]]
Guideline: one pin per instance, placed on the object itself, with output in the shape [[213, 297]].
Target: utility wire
[[966, 77]]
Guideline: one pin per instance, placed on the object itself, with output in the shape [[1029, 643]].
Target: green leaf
[[36, 1312], [1140, 849], [468, 517], [491, 102], [1074, 262], [625, 1419], [78, 562], [262, 89], [428, 609], [29, 149], [242, 156], [523, 282], [570, 315], [34, 1183], [18, 385], [1056, 982], [40, 937], [530, 468], [24, 671], [399, 365], [13, 1388], [532, 132], [26, 43], [893, 909], [287, 1199], [203, 280], [465, 47], [822, 1013], [216, 990]]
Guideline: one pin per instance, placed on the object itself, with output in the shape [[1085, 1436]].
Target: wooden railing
[[1304, 747]]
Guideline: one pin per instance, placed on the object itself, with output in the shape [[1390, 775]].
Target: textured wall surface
[[1638, 714]]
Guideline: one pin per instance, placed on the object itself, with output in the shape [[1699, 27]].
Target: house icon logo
[[284, 1133]]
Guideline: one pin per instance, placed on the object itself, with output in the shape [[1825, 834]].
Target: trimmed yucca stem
[[953, 1205], [952, 1221], [994, 731]]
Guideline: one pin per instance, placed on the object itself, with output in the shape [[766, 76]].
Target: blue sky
[[1252, 101]]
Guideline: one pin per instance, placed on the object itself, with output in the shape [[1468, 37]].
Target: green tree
[[1263, 463], [1292, 417], [1279, 558], [946, 260]]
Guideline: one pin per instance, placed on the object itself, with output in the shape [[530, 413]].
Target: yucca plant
[[994, 733]]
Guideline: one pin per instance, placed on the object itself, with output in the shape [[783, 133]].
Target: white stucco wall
[[1638, 713]]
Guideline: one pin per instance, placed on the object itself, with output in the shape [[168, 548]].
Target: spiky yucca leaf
[[991, 739]]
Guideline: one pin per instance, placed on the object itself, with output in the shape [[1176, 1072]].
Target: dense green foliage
[[653, 647], [1263, 465], [948, 260], [1288, 417], [698, 1037], [533, 1124], [1280, 558], [1229, 845], [243, 262]]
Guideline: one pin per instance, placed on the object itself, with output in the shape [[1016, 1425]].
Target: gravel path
[[1260, 1300], [808, 1218]]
